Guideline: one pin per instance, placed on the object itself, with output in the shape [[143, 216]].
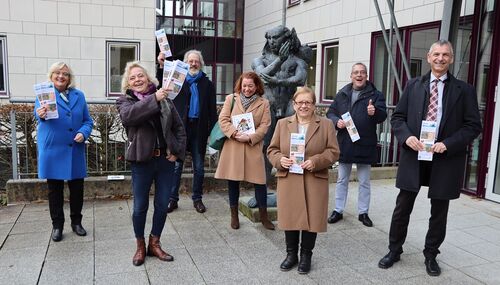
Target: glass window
[[117, 56], [330, 68], [3, 67], [420, 41], [226, 29], [164, 7], [225, 50], [205, 8], [165, 23], [381, 77], [226, 9], [462, 49], [184, 7], [311, 70], [225, 80]]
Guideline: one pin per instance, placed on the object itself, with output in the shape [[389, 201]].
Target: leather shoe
[[200, 208], [389, 259], [79, 230], [365, 220], [57, 234], [335, 217], [172, 205], [432, 267]]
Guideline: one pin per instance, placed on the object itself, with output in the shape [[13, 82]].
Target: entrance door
[[493, 182]]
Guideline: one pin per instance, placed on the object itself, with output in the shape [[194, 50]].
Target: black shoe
[[172, 205], [305, 262], [389, 259], [200, 208], [335, 217], [79, 230], [290, 261], [57, 234], [432, 267], [365, 220]]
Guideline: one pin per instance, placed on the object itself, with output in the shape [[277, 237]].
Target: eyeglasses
[[302, 103], [65, 74], [362, 72]]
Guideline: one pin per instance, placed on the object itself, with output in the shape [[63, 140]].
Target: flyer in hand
[[162, 40], [297, 150], [427, 137], [174, 75], [46, 95], [351, 128], [244, 123]]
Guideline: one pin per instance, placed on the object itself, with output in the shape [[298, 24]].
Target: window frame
[[325, 46], [4, 93], [120, 43]]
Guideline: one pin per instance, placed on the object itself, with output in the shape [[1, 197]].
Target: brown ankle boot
[[265, 220], [140, 253], [154, 249], [235, 221]]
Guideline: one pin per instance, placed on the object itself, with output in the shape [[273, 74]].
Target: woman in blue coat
[[61, 148]]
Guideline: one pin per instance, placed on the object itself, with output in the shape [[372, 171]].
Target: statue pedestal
[[253, 213]]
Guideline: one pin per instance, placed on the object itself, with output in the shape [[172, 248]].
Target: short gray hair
[[360, 63], [57, 66], [441, 43], [198, 53], [126, 74]]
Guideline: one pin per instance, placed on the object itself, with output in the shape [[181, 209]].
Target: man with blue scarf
[[196, 104]]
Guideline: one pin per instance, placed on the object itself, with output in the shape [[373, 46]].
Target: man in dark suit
[[452, 104], [197, 106]]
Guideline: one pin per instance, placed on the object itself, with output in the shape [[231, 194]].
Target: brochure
[[162, 40], [46, 94], [428, 138], [351, 128], [244, 123], [297, 150], [174, 75]]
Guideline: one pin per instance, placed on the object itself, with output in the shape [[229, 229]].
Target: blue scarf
[[194, 105]]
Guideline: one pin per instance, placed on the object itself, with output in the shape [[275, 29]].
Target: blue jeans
[[198, 159], [161, 171], [234, 193]]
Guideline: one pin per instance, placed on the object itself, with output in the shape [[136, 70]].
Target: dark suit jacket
[[460, 125]]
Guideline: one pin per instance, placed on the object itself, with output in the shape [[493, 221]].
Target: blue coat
[[59, 156], [364, 150]]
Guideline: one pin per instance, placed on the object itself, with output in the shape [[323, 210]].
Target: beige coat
[[303, 199], [243, 161]]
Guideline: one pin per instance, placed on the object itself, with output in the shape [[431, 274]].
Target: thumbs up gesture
[[370, 109]]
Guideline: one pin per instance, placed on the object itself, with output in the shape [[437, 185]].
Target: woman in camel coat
[[241, 158], [303, 198]]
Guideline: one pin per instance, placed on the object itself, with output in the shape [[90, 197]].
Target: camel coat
[[303, 198], [243, 161]]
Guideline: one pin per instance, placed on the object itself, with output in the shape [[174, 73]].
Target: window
[[330, 68], [117, 56], [311, 70], [3, 67]]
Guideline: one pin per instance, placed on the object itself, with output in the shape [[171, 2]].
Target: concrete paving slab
[[486, 250], [19, 275], [487, 273], [10, 214], [137, 277], [458, 258], [32, 227], [63, 250], [338, 275], [224, 271], [22, 257], [73, 273], [26, 240], [450, 277]]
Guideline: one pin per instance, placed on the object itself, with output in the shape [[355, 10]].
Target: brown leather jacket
[[137, 118]]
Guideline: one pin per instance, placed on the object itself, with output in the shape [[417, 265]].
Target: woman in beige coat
[[241, 158], [303, 198]]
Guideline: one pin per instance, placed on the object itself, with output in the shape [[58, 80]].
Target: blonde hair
[[126, 74], [304, 90], [59, 65]]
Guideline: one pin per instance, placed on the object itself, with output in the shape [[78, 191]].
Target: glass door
[[493, 178]]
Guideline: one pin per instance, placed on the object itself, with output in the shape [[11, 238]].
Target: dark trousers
[[401, 218], [161, 171], [306, 244], [56, 201], [234, 193], [198, 159]]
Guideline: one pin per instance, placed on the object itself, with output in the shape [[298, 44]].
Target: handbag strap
[[232, 105]]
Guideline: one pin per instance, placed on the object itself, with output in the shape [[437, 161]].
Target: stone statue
[[282, 67]]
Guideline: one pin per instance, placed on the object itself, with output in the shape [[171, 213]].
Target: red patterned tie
[[433, 102]]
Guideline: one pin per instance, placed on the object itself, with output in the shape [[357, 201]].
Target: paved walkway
[[208, 251]]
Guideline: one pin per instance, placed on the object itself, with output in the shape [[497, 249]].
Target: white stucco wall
[[41, 32], [350, 23]]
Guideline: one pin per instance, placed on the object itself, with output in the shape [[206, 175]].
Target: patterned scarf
[[247, 101], [141, 95]]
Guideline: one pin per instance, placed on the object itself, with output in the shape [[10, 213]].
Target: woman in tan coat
[[303, 198], [241, 158]]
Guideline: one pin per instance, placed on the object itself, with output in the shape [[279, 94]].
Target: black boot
[[305, 261], [291, 259]]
